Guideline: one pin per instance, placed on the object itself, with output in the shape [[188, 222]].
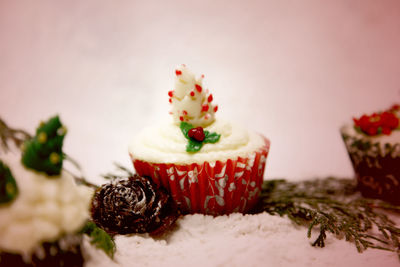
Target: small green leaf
[[193, 146], [100, 238], [211, 137], [8, 186], [185, 127]]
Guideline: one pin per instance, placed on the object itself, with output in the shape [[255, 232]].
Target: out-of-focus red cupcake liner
[[377, 168], [211, 187]]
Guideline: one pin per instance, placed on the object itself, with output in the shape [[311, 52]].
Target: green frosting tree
[[43, 152], [8, 186]]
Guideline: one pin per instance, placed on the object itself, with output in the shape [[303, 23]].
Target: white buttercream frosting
[[393, 138], [165, 143], [45, 208], [190, 101]]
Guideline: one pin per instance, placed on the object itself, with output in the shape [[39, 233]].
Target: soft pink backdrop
[[293, 70]]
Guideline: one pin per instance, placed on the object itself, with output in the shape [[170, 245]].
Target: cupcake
[[42, 210], [208, 165], [373, 143]]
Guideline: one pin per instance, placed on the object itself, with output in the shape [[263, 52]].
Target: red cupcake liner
[[210, 188]]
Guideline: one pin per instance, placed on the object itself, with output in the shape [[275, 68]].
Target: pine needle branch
[[333, 206], [17, 136], [123, 172]]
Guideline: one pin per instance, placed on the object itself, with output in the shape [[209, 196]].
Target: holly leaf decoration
[[43, 152], [100, 238], [8, 186], [193, 144], [185, 128], [211, 137]]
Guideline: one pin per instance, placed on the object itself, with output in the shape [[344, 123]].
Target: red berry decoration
[[395, 107], [197, 134], [377, 123]]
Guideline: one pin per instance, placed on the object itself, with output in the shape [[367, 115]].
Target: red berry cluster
[[197, 134], [378, 123]]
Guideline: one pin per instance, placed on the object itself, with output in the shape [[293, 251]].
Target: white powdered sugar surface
[[236, 240]]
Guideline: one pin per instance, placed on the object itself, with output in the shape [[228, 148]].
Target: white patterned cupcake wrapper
[[211, 187]]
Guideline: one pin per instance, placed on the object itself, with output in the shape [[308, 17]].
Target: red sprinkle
[[170, 100], [178, 72], [198, 88], [170, 93], [205, 107], [210, 98], [215, 108], [192, 93], [184, 112], [181, 118]]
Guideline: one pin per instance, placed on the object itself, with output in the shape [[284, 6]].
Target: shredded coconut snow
[[236, 240]]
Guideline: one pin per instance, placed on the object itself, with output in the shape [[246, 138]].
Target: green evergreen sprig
[[195, 145], [100, 238], [44, 151], [8, 185], [333, 206], [18, 137]]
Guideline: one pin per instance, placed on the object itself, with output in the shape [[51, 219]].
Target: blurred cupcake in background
[[42, 210], [208, 165], [373, 143]]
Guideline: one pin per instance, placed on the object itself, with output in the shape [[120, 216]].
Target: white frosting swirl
[[190, 102], [393, 138], [166, 144], [45, 208]]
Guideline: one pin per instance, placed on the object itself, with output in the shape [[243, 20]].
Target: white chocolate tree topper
[[190, 102]]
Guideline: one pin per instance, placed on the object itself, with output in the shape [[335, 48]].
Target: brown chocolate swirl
[[132, 205]]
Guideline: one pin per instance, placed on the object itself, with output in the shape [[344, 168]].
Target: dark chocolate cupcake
[[133, 205], [373, 143], [66, 251]]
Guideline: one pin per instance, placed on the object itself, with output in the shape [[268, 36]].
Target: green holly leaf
[[8, 186], [100, 238], [185, 127], [193, 146], [211, 137]]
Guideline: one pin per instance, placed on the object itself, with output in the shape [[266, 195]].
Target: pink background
[[292, 70]]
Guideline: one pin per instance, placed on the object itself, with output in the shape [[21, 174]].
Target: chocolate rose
[[132, 205]]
